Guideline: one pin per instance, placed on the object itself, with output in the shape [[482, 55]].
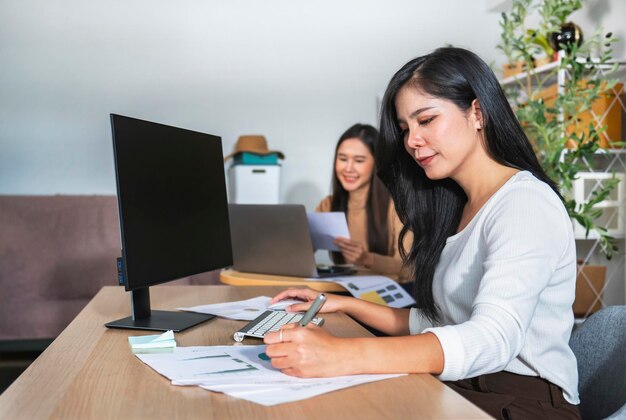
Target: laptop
[[275, 239]]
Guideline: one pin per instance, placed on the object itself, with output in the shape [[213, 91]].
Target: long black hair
[[378, 198], [432, 209]]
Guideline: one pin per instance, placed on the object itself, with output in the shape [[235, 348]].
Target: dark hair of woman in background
[[377, 205], [358, 192]]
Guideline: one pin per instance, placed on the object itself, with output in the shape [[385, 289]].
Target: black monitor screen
[[172, 201]]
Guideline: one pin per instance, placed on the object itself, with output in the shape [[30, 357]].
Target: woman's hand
[[312, 352], [333, 303], [354, 252], [306, 352]]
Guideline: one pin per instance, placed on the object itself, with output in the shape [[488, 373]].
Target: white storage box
[[253, 184]]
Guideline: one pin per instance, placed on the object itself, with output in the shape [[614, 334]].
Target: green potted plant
[[551, 102], [527, 48]]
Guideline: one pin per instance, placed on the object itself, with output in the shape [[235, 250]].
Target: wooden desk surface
[[238, 278], [89, 372]]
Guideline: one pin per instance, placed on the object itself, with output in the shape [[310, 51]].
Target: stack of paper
[[244, 372], [152, 343]]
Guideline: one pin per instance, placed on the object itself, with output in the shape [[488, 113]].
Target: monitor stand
[[143, 318]]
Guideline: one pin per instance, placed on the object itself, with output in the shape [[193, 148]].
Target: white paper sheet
[[326, 227], [243, 310], [192, 365], [289, 390], [241, 372], [377, 289]]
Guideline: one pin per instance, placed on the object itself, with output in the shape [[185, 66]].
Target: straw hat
[[253, 144]]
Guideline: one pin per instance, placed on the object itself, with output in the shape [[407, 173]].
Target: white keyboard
[[270, 321]]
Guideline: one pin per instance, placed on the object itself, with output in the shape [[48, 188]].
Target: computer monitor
[[173, 213]]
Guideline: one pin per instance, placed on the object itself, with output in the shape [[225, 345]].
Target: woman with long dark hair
[[358, 192], [494, 256]]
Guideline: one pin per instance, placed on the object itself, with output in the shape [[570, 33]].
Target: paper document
[[244, 372], [244, 310], [325, 227], [142, 342], [376, 289], [193, 365]]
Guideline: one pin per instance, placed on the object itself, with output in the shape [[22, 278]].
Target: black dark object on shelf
[[570, 34]]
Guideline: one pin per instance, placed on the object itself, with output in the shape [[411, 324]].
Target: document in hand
[[244, 372], [326, 227], [376, 289]]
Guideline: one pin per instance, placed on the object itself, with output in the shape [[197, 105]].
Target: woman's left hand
[[305, 351], [354, 252]]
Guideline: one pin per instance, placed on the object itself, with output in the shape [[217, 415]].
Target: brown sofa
[[56, 252]]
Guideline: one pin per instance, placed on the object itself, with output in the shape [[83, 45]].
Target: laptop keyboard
[[270, 321]]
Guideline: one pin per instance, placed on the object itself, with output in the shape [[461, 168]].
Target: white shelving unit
[[613, 218], [606, 164]]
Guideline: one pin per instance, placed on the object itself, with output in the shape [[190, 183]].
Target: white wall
[[299, 72]]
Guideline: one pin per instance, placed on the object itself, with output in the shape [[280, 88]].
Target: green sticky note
[[165, 340]]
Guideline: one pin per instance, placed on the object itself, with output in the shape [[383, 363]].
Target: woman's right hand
[[333, 303]]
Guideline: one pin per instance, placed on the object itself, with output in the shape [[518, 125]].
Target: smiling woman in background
[[357, 191]]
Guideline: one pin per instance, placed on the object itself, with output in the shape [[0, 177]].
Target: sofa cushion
[[56, 252]]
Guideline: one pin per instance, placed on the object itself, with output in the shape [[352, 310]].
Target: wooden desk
[[238, 278], [89, 372]]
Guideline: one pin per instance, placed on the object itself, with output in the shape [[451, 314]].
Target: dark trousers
[[505, 395]]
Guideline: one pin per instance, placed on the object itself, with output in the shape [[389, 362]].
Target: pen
[[308, 316], [313, 309]]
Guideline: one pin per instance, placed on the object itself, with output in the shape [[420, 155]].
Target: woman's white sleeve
[[417, 322], [525, 236]]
